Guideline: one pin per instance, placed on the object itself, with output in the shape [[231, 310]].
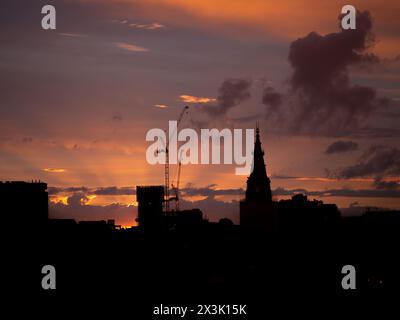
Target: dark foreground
[[131, 272]]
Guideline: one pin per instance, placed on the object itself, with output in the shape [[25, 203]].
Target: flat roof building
[[24, 203]]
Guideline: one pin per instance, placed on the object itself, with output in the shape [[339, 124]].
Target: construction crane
[[166, 173], [176, 188]]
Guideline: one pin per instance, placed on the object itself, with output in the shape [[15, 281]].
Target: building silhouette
[[258, 183], [152, 218], [24, 203], [185, 254], [257, 210], [299, 214], [150, 208]]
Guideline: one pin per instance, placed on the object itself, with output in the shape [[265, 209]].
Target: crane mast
[[166, 168], [177, 186]]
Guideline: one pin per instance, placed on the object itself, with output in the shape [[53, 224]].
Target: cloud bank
[[341, 147], [321, 100]]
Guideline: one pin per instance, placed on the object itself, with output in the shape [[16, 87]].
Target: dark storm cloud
[[78, 193], [115, 191], [377, 161], [77, 199], [230, 94], [321, 98], [105, 191], [326, 99], [210, 191], [345, 192], [376, 132], [386, 185], [272, 99], [59, 190], [282, 176], [117, 117], [341, 146]]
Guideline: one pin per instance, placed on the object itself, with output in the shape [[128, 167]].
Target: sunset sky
[[76, 102]]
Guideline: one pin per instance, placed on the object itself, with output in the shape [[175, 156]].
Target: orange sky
[[77, 103], [282, 19]]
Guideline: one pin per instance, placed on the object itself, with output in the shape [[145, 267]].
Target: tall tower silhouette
[[257, 210], [258, 183]]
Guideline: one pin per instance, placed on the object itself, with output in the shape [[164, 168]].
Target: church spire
[[258, 183]]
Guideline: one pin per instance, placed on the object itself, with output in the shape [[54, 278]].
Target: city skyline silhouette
[[289, 230], [94, 93]]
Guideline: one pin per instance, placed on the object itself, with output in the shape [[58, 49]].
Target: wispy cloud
[[161, 106], [194, 99], [54, 170], [130, 47], [73, 35], [143, 26], [150, 26]]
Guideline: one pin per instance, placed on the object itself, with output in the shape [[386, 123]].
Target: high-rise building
[[150, 208], [24, 203]]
